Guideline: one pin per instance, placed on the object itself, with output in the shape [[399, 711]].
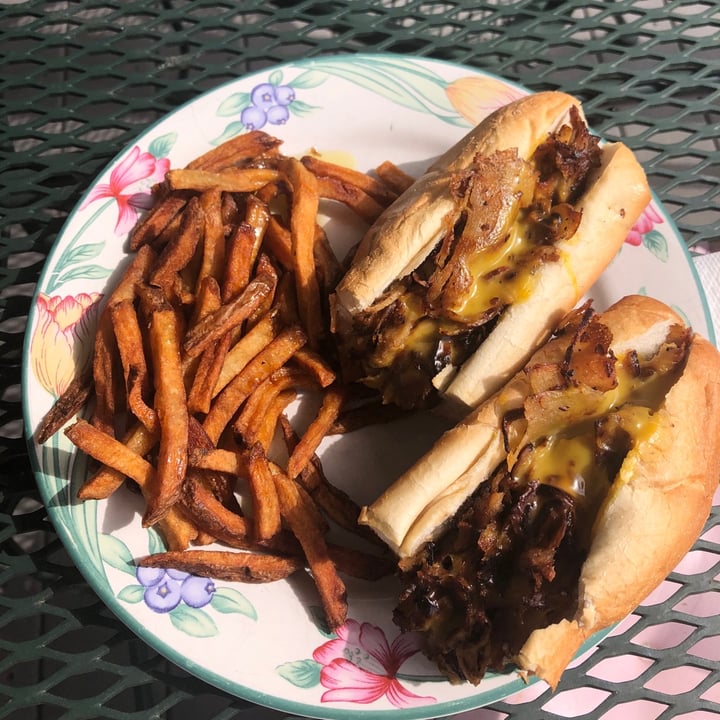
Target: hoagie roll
[[554, 508], [469, 270]]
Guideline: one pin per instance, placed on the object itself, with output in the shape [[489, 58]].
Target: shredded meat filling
[[511, 559], [507, 567]]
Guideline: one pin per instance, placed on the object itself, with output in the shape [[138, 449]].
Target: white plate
[[264, 643]]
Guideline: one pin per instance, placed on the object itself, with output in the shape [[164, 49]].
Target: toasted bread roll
[[553, 509], [470, 269]]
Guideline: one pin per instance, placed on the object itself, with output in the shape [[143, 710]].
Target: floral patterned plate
[[267, 643]]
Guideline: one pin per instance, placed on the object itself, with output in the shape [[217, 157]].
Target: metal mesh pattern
[[81, 79]]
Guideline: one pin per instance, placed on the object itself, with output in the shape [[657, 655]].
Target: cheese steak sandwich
[[470, 269], [554, 508]]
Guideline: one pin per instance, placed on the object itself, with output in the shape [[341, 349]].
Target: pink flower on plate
[[644, 224], [360, 666], [62, 340], [130, 184]]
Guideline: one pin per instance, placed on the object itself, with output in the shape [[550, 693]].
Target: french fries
[[217, 324], [231, 179], [329, 410], [266, 504], [305, 201], [223, 565], [299, 512], [394, 177], [170, 404]]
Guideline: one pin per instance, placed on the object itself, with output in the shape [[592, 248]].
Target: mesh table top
[[81, 79]]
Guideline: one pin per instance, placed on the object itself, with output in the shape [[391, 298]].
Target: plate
[[266, 643]]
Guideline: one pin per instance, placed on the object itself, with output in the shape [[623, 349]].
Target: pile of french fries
[[217, 325]]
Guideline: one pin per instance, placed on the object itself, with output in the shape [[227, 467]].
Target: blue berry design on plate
[[268, 103], [166, 589], [190, 601]]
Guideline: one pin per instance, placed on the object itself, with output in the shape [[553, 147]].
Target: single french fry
[[247, 347], [67, 406], [177, 530], [243, 248], [109, 451], [362, 204], [157, 219], [169, 232], [312, 475], [170, 404], [264, 266], [266, 506], [213, 235], [236, 180], [179, 250], [371, 413], [207, 374], [299, 512], [106, 480], [360, 564], [315, 365], [241, 254], [236, 151], [337, 506], [377, 190], [212, 516], [216, 324], [278, 241], [207, 300], [274, 356], [263, 431], [332, 402], [221, 460], [231, 213], [227, 565], [257, 214], [327, 266], [128, 337], [395, 178], [286, 300], [205, 369], [303, 214], [104, 369]]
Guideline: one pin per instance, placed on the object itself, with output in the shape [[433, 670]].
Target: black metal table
[[81, 79]]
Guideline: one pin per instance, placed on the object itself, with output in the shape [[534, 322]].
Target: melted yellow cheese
[[568, 459], [635, 389], [498, 277], [566, 463]]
